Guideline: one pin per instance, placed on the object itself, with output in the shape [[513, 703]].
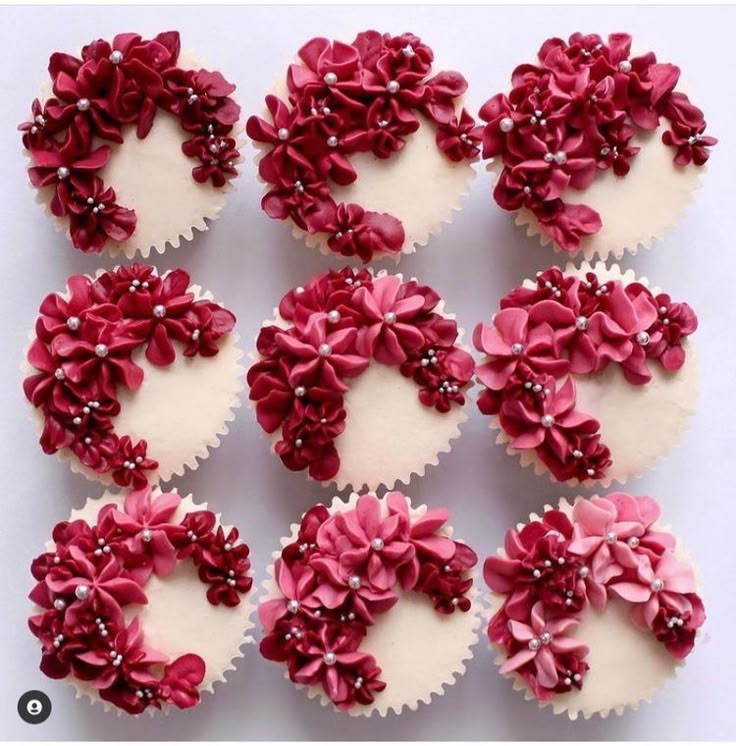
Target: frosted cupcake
[[590, 375], [371, 604], [132, 144], [360, 379], [132, 375], [142, 601], [366, 147], [595, 605], [596, 150]]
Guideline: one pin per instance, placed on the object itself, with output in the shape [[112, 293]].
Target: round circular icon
[[34, 707]]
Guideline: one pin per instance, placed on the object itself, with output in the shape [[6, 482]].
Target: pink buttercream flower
[[388, 333], [323, 356], [149, 531], [379, 543], [543, 639], [102, 587], [609, 529], [656, 584], [551, 422], [510, 342]]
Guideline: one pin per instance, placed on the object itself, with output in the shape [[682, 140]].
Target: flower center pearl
[[101, 350], [581, 323], [377, 544], [299, 391], [545, 638], [390, 317], [643, 338], [59, 374], [506, 124], [333, 316], [60, 604], [62, 172], [584, 571], [354, 582], [146, 535], [83, 104], [517, 348], [72, 323], [283, 134], [329, 658], [293, 605], [325, 349], [548, 420], [633, 542], [657, 585], [611, 537], [535, 643], [330, 78], [159, 311], [560, 158], [116, 57], [82, 592], [332, 141], [392, 86], [624, 66]]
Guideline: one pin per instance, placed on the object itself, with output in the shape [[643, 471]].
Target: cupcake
[[371, 605], [132, 145], [142, 601], [595, 150], [365, 147], [132, 375], [589, 374], [360, 379], [594, 603]]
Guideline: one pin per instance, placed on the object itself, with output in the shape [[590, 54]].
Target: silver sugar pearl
[[624, 66], [329, 658], [292, 605], [101, 350], [333, 316], [517, 348], [354, 582], [547, 420], [390, 317], [325, 349], [657, 585], [82, 592], [643, 338], [60, 604], [330, 78], [72, 323], [159, 311], [506, 124], [393, 86], [283, 133], [62, 172], [377, 544], [581, 323], [116, 57], [332, 141], [83, 104]]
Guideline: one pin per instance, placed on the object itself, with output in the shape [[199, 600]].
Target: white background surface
[[248, 261]]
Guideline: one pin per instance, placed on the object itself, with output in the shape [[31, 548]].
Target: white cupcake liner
[[377, 174], [466, 625], [192, 209], [228, 385], [417, 460], [225, 659], [624, 700], [660, 440]]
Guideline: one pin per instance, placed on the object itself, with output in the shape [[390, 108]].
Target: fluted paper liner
[[153, 177], [178, 618], [181, 410], [640, 424], [419, 184], [420, 651], [389, 434], [628, 666]]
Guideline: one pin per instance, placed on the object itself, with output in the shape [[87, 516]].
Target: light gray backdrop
[[249, 261]]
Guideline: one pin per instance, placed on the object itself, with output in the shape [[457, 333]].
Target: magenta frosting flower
[[542, 639]]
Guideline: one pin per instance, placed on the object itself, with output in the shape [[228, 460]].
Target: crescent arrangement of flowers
[[337, 324], [343, 569], [354, 98], [558, 566], [95, 571], [576, 114], [110, 85], [566, 326], [82, 353]]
